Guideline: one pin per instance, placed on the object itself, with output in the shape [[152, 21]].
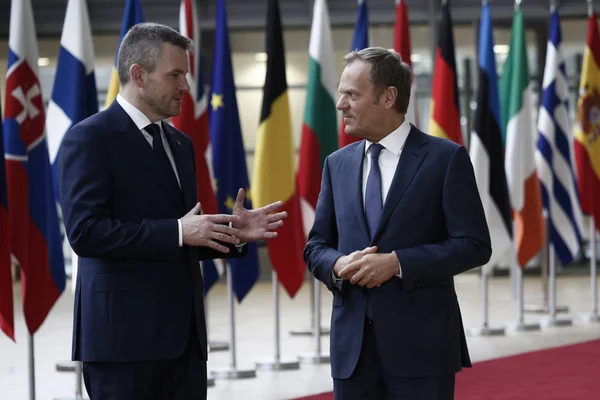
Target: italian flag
[[319, 128], [522, 180]]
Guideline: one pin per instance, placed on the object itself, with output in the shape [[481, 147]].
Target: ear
[[137, 75], [389, 97]]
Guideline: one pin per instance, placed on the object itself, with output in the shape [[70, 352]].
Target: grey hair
[[142, 45], [387, 69]]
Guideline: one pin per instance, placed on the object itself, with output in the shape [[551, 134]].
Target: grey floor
[[255, 333]]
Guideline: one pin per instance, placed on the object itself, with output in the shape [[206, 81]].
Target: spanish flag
[[445, 110], [131, 17], [273, 177], [587, 130]]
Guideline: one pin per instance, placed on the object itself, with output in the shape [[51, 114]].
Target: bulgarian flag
[[319, 129], [521, 176], [587, 131]]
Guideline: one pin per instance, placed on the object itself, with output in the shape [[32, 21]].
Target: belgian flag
[[273, 177], [445, 108]]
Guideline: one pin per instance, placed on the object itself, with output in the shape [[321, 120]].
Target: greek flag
[[554, 153]]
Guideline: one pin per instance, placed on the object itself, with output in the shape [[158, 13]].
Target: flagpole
[[593, 316], [31, 367], [520, 325], [232, 372], [551, 320], [484, 329], [318, 357], [310, 331], [214, 345], [276, 364]]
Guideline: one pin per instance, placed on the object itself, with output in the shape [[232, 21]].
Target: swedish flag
[[131, 17]]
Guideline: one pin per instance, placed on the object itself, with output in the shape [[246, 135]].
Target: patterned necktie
[[373, 200], [159, 150]]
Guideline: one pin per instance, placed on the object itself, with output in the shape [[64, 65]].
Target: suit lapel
[[185, 170], [131, 137], [411, 159]]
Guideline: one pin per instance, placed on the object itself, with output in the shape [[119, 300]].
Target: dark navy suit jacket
[[434, 220], [137, 291]]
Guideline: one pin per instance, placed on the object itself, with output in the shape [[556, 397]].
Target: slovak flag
[[35, 234]]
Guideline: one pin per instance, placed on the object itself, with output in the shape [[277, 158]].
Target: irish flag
[[522, 180], [319, 130]]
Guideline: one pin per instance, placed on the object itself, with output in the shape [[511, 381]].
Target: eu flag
[[229, 158]]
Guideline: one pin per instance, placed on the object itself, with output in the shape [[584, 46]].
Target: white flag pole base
[[519, 326], [233, 373], [277, 365], [485, 331], [308, 331], [314, 358], [551, 322], [590, 318], [544, 309], [217, 345]]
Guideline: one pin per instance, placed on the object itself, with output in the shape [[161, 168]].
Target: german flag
[[273, 177], [445, 109]]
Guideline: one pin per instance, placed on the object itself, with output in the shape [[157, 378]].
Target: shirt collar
[[394, 142], [139, 118]]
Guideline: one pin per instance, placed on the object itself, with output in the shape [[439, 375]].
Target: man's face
[[358, 101], [165, 86]]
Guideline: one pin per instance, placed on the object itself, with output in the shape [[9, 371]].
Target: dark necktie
[[159, 150], [373, 200]]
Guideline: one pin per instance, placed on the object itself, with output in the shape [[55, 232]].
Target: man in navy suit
[[398, 216], [128, 194]]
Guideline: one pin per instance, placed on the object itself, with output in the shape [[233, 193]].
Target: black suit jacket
[[137, 291], [433, 219]]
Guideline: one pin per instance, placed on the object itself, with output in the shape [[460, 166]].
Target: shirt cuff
[[337, 282], [180, 228], [399, 269]]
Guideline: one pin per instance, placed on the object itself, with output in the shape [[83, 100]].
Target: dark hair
[[143, 45], [387, 69]]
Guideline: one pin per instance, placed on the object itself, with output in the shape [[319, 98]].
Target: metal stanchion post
[[520, 325], [232, 372], [484, 329], [593, 315], [552, 320], [317, 357], [311, 329], [276, 364]]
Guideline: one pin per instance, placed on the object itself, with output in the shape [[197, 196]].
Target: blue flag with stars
[[229, 158]]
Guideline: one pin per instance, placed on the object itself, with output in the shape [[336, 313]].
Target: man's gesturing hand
[[205, 230], [259, 223]]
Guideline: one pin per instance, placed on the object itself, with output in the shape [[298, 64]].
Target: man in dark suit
[[128, 194], [398, 216]]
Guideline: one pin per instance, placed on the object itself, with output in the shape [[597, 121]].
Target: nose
[[185, 86], [342, 104]]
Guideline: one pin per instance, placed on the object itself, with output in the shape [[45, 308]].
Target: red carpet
[[559, 373]]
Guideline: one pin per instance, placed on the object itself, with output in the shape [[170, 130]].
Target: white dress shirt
[[141, 121], [388, 162]]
